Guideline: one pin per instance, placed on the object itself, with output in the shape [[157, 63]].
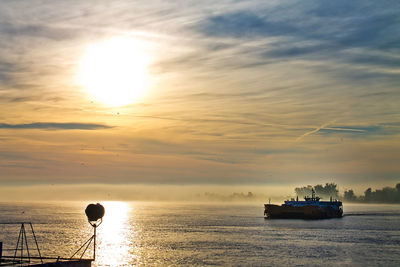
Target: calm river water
[[159, 234]]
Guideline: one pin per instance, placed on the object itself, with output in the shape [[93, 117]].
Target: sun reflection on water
[[115, 235]]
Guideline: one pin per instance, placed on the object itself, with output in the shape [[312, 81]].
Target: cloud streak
[[235, 84], [55, 126], [316, 32]]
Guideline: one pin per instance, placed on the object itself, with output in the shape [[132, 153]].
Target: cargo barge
[[311, 208]]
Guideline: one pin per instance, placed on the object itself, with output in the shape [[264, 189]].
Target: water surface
[[143, 233]]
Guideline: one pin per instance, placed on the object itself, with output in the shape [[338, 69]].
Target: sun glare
[[115, 71], [115, 234]]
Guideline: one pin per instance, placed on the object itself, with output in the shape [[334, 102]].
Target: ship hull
[[308, 212]]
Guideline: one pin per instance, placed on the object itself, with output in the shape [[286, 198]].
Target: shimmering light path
[[115, 234]]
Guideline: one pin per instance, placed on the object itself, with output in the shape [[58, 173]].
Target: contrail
[[315, 130], [345, 129]]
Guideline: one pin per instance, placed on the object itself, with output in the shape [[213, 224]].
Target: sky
[[231, 94]]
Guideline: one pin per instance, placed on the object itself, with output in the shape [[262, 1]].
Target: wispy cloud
[[235, 83], [309, 33], [55, 126]]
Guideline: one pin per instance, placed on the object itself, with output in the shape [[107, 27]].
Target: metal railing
[[23, 255], [22, 246]]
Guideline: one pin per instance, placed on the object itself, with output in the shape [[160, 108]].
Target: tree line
[[384, 195], [323, 191]]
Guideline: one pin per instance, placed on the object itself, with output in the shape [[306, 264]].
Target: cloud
[[363, 131], [55, 126], [243, 24], [320, 21], [389, 129], [237, 83], [317, 30], [37, 31]]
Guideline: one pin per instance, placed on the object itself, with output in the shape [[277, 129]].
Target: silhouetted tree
[[324, 191], [368, 194], [384, 195], [327, 191], [349, 195], [303, 191]]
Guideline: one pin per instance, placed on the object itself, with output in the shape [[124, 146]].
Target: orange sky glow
[[203, 95]]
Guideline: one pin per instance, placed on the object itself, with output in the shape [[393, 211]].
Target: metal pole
[[37, 246], [22, 242], [87, 241], [16, 248], [94, 243], [83, 253], [26, 244]]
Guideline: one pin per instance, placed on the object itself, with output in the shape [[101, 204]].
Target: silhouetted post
[[95, 213], [94, 242], [22, 241]]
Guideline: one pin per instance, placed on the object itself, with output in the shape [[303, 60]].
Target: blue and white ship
[[310, 208]]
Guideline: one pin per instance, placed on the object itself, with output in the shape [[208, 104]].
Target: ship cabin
[[314, 201]]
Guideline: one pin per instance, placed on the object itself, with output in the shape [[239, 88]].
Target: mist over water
[[161, 233]]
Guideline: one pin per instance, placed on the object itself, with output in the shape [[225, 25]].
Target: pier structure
[[24, 255]]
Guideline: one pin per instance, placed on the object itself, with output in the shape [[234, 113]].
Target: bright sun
[[115, 71]]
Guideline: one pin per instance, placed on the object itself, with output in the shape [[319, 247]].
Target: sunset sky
[[235, 94]]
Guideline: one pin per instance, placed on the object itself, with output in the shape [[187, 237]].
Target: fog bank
[[104, 192]]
